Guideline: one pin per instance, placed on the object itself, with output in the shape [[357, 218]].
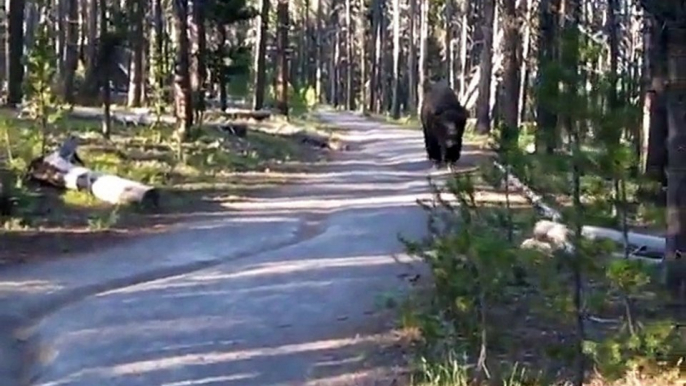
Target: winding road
[[288, 292]]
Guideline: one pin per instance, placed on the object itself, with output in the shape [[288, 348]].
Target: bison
[[443, 123]]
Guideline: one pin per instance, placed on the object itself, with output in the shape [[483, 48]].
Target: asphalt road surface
[[286, 292]]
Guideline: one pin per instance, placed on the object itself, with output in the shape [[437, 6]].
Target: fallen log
[[58, 170], [258, 115], [650, 249]]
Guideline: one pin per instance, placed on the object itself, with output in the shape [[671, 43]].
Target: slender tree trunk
[[395, 104], [375, 57], [199, 68], [412, 60], [464, 36], [260, 80], [182, 81], [92, 33], [362, 36], [546, 132], [483, 114], [319, 55], [61, 39], [158, 56], [423, 47], [612, 98], [106, 75], [221, 75], [71, 53], [15, 52], [525, 50], [282, 17], [511, 56], [448, 15], [349, 97], [138, 46]]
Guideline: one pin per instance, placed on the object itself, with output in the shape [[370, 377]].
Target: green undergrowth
[[199, 179], [496, 314], [596, 181]]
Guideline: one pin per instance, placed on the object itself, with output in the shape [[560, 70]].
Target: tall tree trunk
[[613, 29], [319, 54], [448, 57], [412, 60], [138, 46], [676, 172], [72, 53], [395, 102], [512, 59], [654, 148], [60, 7], [182, 81], [221, 74], [464, 39], [362, 36], [483, 113], [349, 94], [375, 56], [546, 123], [282, 17], [423, 46], [15, 52], [92, 33], [199, 68], [106, 73], [158, 55], [526, 6], [260, 80]]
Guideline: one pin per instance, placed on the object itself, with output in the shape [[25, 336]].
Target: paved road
[[287, 293]]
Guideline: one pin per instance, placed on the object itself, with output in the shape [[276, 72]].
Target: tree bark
[[199, 72], [350, 68], [15, 52], [676, 164], [546, 122], [319, 54], [464, 35], [362, 36], [107, 71], [260, 80], [483, 113], [71, 54], [138, 42], [395, 102], [423, 48], [412, 60], [511, 56], [282, 17], [182, 81], [654, 147]]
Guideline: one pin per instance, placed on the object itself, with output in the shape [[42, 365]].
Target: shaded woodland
[[600, 82]]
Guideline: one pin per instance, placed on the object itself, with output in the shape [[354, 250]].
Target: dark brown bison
[[443, 123]]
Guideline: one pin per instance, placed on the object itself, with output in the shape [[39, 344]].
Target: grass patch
[[212, 168]]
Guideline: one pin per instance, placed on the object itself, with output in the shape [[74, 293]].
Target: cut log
[[59, 172], [258, 115], [650, 249]]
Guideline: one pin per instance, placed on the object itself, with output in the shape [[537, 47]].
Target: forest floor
[[218, 168]]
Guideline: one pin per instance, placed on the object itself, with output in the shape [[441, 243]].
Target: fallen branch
[[58, 170]]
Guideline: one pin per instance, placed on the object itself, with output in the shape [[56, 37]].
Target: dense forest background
[[599, 85]]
